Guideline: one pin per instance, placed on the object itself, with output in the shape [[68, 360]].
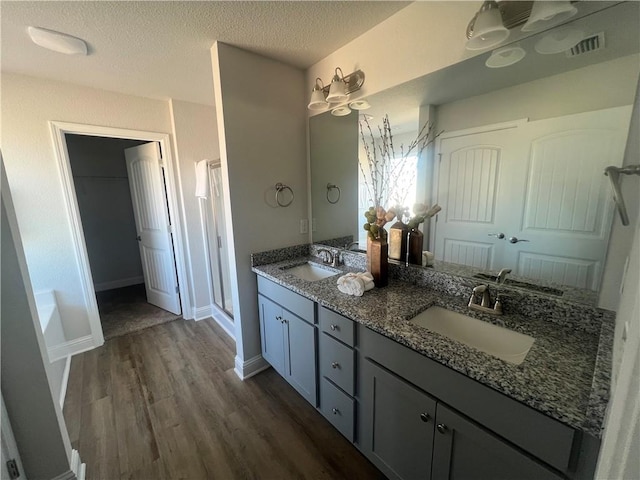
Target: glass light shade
[[559, 40], [317, 101], [488, 30], [546, 14], [341, 111], [361, 104], [337, 92], [505, 56]]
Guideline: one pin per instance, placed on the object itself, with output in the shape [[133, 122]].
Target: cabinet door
[[464, 450], [300, 356], [398, 424], [271, 331]]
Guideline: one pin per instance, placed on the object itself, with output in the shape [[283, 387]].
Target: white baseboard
[[65, 381], [123, 282], [72, 347], [221, 318], [251, 367]]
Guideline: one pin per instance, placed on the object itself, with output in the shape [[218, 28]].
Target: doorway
[[157, 181], [122, 200]]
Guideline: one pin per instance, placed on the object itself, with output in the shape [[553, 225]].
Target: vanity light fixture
[[559, 40], [57, 41], [341, 111], [545, 14], [338, 91], [338, 88], [318, 101], [505, 56], [486, 29], [361, 104]]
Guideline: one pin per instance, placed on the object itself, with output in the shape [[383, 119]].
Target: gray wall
[[262, 115], [35, 417], [102, 189]]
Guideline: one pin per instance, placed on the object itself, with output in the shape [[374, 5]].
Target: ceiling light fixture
[[338, 91], [57, 41], [546, 14], [486, 29]]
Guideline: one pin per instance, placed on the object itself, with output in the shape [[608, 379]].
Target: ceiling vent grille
[[588, 45]]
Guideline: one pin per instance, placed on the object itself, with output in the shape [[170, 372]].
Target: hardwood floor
[[165, 403]]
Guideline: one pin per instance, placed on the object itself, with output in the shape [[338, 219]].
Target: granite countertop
[[565, 375]]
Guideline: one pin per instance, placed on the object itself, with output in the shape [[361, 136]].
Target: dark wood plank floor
[[166, 403]]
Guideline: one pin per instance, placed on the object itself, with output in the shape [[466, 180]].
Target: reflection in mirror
[[522, 155]]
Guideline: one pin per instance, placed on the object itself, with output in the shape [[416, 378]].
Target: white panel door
[[567, 206], [150, 209], [541, 183], [476, 179]]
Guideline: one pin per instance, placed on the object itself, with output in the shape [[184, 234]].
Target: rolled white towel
[[427, 258], [355, 283]]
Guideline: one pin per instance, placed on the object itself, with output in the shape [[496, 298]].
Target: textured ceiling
[[161, 49]]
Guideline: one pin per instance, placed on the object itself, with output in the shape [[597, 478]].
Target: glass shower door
[[217, 236]]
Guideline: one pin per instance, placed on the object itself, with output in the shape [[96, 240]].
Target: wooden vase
[[414, 246], [378, 261]]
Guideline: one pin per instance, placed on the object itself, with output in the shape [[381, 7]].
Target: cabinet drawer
[[337, 407], [337, 363], [302, 307], [336, 325]]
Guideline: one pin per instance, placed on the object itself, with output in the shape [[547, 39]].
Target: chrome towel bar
[[614, 175]]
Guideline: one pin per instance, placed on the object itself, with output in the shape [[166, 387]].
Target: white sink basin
[[500, 342], [311, 272]]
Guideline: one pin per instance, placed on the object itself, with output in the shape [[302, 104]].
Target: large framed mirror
[[519, 168]]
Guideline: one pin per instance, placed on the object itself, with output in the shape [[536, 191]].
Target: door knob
[[333, 327], [424, 417], [442, 428], [500, 235], [335, 411], [139, 238], [335, 365], [516, 240]]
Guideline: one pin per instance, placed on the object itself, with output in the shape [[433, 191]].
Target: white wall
[[621, 239], [104, 199], [28, 104], [196, 137], [262, 129], [419, 39], [603, 85]]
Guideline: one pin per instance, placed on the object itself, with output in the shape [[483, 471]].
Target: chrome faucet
[[330, 258], [502, 275], [482, 291], [348, 246]]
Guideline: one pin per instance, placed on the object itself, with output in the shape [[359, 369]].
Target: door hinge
[[12, 468], [219, 241], [177, 289]]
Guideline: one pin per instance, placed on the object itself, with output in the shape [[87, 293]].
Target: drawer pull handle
[[335, 411], [442, 428], [425, 417], [335, 365], [333, 327]]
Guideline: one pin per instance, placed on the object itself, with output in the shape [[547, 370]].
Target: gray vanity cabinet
[[409, 435], [398, 422], [289, 336], [464, 450]]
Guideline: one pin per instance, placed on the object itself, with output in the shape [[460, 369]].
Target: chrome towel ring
[[331, 186], [280, 187]]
